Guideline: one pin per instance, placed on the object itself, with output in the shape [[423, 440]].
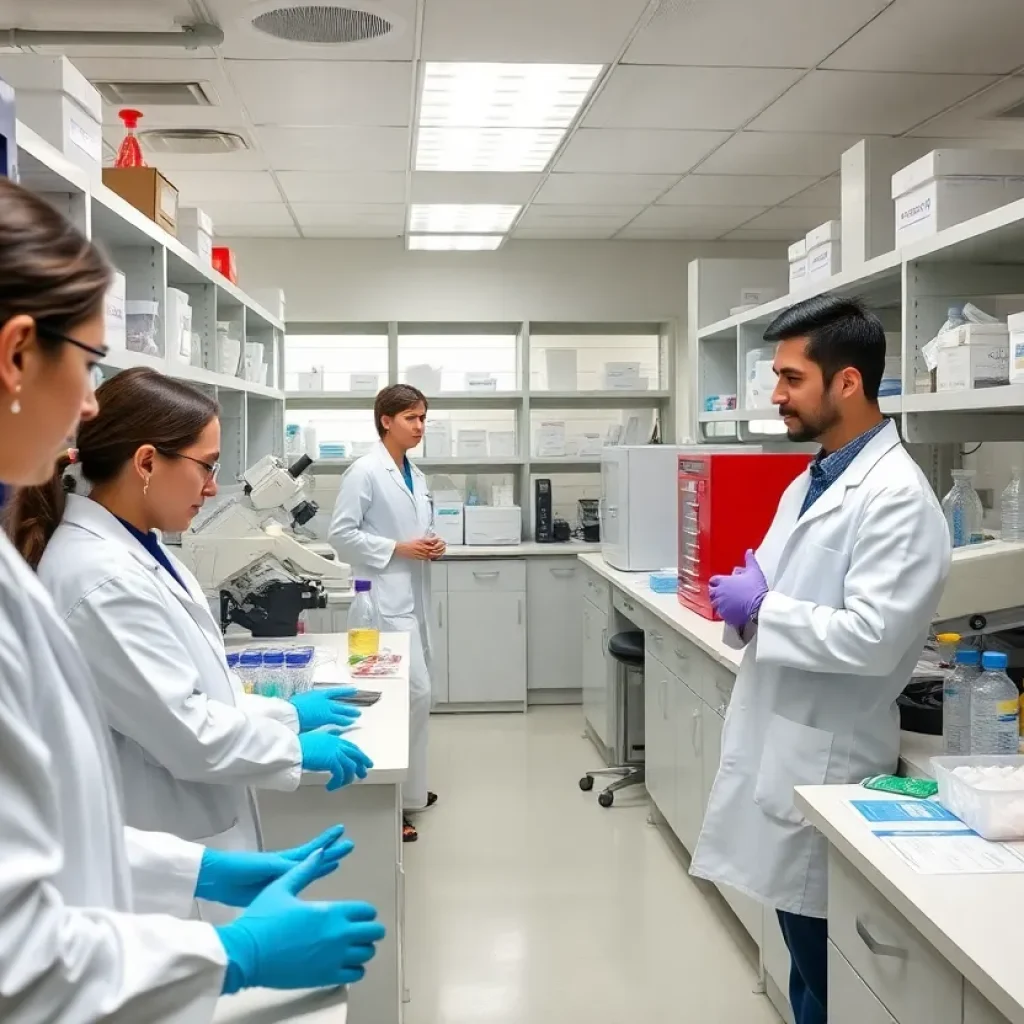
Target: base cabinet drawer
[[850, 1001], [909, 977]]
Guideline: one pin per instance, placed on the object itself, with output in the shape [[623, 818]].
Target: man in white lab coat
[[833, 608]]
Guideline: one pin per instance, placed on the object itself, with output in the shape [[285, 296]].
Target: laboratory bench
[[371, 811], [689, 675], [269, 1006]]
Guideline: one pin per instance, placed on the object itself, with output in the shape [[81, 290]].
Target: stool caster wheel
[[586, 783], [605, 799]]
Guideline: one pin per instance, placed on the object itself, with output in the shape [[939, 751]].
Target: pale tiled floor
[[527, 903]]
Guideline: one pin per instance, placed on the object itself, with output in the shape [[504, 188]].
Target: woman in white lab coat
[[84, 931], [189, 741], [383, 527]]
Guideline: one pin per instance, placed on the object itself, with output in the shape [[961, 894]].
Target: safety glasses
[[95, 373], [212, 468]]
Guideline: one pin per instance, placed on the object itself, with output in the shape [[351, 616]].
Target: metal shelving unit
[[152, 260]]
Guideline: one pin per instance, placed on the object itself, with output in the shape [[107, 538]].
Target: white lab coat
[[189, 741], [71, 949], [375, 510], [853, 585]]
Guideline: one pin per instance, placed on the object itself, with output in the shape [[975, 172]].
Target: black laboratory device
[[544, 520]]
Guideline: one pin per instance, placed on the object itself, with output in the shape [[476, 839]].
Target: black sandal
[[431, 799], [409, 833]]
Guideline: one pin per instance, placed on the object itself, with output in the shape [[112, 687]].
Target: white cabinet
[[977, 1009], [689, 787], [850, 1001], [596, 668], [659, 738], [487, 632], [554, 588]]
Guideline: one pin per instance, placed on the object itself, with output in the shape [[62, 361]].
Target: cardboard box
[[195, 229], [116, 336], [973, 356], [824, 260], [148, 191], [449, 521], [57, 102]]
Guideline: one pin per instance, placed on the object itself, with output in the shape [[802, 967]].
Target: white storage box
[[550, 441], [621, 376], [824, 260], [114, 321], [797, 274], [760, 378], [757, 296], [142, 320], [471, 444], [449, 521], [481, 382], [973, 356], [995, 814], [1015, 325], [424, 377], [561, 366], [56, 100], [486, 524], [501, 443], [590, 444], [179, 326], [502, 495], [798, 250], [195, 229], [437, 439], [958, 163], [255, 365], [312, 379], [830, 231], [364, 383]]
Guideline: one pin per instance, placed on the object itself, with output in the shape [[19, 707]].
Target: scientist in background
[[86, 932], [834, 608], [190, 742], [383, 527]]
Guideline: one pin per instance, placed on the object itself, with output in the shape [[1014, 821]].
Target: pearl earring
[[16, 404]]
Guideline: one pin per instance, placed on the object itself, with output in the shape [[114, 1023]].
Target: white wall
[[328, 280]]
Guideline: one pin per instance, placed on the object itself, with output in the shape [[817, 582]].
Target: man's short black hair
[[840, 333]]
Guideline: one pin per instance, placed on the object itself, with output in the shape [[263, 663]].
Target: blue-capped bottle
[[994, 708], [956, 701]]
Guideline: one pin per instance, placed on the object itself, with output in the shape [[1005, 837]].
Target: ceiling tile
[[252, 159], [825, 193], [227, 215], [569, 31], [336, 149], [779, 153], [795, 219], [352, 231], [615, 150], [981, 37], [566, 231], [350, 187], [731, 189], [382, 215], [977, 118], [759, 235], [324, 93], [715, 218], [225, 186], [260, 231], [669, 97], [472, 187], [738, 33], [569, 215], [241, 39], [875, 104], [680, 233], [603, 188]]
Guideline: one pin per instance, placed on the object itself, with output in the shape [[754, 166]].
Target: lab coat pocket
[[394, 593], [815, 573], [793, 755]]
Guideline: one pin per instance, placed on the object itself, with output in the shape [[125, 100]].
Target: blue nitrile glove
[[324, 751], [236, 877], [281, 941], [317, 708]]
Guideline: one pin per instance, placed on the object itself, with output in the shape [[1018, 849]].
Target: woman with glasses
[[190, 743]]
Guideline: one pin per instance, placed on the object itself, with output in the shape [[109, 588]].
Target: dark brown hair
[[395, 399], [137, 407], [48, 269]]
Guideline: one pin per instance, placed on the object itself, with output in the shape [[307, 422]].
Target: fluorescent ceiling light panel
[[465, 218], [453, 242], [497, 117]]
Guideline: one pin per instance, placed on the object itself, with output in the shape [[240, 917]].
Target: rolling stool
[[627, 649]]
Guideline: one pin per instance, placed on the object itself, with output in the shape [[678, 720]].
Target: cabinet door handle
[[681, 654], [562, 572], [486, 575], [519, 616], [695, 732], [440, 616], [657, 637], [628, 606], [876, 947]]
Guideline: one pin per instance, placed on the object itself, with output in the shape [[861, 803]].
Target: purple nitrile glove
[[737, 598]]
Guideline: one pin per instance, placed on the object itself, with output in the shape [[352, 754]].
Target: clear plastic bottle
[[363, 623], [995, 710], [249, 663], [1012, 525], [963, 511], [271, 677], [956, 701]]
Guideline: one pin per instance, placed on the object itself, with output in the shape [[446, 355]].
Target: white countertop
[[525, 549], [705, 633], [383, 729], [974, 921], [268, 1006], [916, 753]]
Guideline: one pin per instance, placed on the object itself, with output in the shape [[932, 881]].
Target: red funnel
[[130, 153]]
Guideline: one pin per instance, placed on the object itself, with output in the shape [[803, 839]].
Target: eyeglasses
[[95, 373], [212, 469]]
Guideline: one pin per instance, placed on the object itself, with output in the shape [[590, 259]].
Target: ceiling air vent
[[1014, 112], [192, 141], [156, 94], [331, 24]]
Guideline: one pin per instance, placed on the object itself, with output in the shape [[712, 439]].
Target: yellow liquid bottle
[[363, 623]]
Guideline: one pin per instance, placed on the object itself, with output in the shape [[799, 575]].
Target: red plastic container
[[224, 262], [130, 152]]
